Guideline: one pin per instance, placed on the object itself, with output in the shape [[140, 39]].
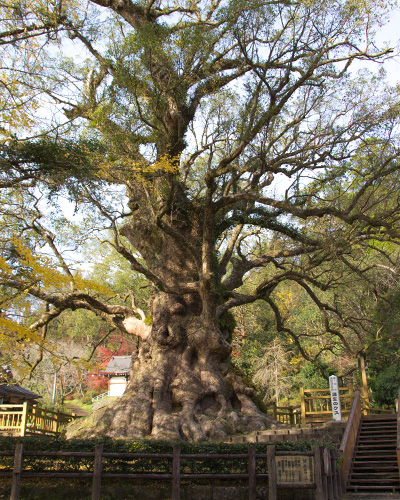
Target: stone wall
[[330, 433]]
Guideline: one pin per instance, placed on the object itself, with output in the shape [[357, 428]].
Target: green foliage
[[310, 377], [61, 164], [154, 85], [110, 268], [385, 385], [383, 365], [227, 321], [254, 330]]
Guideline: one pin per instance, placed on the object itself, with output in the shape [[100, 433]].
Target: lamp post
[[53, 399]]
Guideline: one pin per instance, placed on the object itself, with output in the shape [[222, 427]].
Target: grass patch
[[80, 404]]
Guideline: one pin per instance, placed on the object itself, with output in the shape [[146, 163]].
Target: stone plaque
[[294, 469]]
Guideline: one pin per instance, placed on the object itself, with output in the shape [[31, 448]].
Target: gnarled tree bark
[[181, 384]]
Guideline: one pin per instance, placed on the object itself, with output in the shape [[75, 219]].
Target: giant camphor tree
[[192, 130]]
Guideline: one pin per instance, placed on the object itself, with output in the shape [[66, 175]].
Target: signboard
[[335, 397], [294, 469]]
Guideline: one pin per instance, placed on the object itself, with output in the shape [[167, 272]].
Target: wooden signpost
[[335, 397]]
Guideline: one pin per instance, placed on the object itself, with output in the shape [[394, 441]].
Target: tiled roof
[[18, 392], [118, 364]]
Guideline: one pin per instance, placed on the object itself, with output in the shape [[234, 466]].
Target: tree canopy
[[228, 149]]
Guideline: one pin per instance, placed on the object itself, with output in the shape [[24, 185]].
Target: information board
[[294, 469]]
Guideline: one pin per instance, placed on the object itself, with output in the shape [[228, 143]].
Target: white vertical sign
[[335, 397]]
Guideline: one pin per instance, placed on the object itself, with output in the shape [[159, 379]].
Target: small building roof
[[118, 365], [16, 391]]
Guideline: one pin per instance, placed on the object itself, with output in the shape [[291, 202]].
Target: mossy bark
[[181, 385]]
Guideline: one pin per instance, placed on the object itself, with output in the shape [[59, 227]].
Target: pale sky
[[391, 33]]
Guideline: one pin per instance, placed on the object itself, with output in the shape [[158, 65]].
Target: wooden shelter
[[15, 394], [118, 372]]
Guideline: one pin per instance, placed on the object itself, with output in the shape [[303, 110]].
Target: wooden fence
[[290, 415], [316, 405], [398, 430], [26, 420], [349, 438], [315, 470]]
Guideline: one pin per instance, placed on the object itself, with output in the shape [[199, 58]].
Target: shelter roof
[[18, 392], [118, 365]]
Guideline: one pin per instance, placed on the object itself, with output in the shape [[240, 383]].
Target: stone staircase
[[374, 468]]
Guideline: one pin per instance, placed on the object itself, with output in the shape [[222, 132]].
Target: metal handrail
[[100, 396]]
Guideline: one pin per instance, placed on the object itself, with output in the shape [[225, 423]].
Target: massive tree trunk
[[182, 385]]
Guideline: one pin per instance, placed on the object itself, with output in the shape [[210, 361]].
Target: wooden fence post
[[327, 476], [251, 468], [351, 392], [291, 415], [97, 469], [337, 487], [338, 491], [303, 406], [319, 472], [272, 477], [364, 383], [335, 477], [24, 418], [17, 470], [176, 473]]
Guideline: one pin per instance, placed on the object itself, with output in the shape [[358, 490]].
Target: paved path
[[78, 411]]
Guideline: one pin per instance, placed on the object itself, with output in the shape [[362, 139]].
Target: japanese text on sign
[[335, 397], [295, 469]]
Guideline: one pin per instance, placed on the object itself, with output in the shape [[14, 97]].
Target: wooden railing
[[100, 396], [11, 419], [398, 431], [24, 420], [372, 410], [286, 414], [349, 438], [316, 405], [314, 470]]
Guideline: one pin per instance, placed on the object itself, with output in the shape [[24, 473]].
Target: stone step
[[356, 476], [374, 468], [376, 445], [378, 430], [377, 488], [376, 418], [371, 496], [372, 461], [376, 481], [368, 466], [378, 433], [375, 425], [382, 455], [386, 443]]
